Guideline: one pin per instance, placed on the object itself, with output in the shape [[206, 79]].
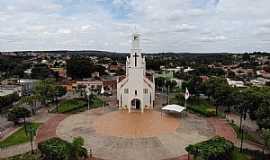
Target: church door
[[136, 104]]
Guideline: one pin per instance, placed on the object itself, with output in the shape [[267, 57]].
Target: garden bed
[[18, 137], [203, 108]]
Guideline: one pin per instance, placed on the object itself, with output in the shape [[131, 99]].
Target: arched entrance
[[136, 104]]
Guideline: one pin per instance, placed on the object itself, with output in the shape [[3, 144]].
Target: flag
[[187, 94], [102, 90]]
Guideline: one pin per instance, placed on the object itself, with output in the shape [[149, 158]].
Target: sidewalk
[[15, 150]]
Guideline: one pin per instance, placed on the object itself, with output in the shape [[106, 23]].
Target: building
[[136, 91], [27, 86], [259, 81], [233, 83], [10, 89]]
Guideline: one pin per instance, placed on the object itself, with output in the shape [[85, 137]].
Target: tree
[[194, 85], [170, 84], [58, 149], [263, 115], [79, 68], [17, 113], [40, 71], [266, 138], [59, 92], [45, 90], [30, 100], [8, 99], [160, 82], [77, 148]]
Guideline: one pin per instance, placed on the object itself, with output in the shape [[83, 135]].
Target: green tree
[[45, 90], [160, 82], [79, 68], [194, 85], [266, 138], [58, 149], [263, 114], [17, 113], [8, 99], [30, 100], [77, 148], [40, 71]]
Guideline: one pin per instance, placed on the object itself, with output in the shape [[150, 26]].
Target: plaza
[[108, 133]]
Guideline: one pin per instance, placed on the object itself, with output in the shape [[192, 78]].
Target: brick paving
[[223, 129], [48, 129], [135, 143], [135, 124]]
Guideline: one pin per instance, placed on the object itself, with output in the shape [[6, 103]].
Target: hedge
[[58, 149], [213, 149]]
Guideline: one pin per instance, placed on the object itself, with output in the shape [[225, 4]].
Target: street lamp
[[88, 93], [242, 138], [32, 133], [102, 93]]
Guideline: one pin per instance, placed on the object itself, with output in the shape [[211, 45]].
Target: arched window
[[135, 92]]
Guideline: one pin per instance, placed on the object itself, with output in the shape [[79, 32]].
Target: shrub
[[55, 149], [15, 114], [58, 149], [70, 105], [213, 149]]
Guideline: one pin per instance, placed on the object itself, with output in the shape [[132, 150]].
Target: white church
[[136, 90]]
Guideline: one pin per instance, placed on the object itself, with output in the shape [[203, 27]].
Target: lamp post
[[102, 94], [242, 137], [32, 133], [88, 93]]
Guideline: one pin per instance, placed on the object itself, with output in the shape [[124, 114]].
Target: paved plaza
[[120, 135]]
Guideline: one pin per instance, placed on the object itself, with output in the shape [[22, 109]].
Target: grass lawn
[[18, 137], [96, 102], [239, 156], [78, 105], [70, 105], [202, 107]]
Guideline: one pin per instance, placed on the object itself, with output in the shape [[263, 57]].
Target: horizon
[[188, 26], [113, 52]]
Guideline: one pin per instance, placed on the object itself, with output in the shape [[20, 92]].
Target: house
[[234, 83]]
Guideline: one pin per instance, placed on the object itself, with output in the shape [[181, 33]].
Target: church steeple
[[135, 60], [135, 41]]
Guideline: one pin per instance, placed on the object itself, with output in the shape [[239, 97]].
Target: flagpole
[[186, 97]]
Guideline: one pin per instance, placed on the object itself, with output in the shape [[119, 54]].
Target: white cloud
[[186, 25]]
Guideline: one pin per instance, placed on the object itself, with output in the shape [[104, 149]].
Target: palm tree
[[30, 100]]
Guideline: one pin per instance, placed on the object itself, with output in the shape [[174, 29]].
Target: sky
[[165, 25]]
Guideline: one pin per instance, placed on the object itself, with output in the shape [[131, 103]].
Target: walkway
[[48, 130], [15, 150], [223, 129]]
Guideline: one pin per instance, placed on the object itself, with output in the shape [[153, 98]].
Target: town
[[134, 80], [36, 86]]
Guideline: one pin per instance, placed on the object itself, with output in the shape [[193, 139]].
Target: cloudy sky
[[165, 25]]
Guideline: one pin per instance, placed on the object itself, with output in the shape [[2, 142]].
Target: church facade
[[136, 90]]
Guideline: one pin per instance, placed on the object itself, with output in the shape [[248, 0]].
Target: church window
[[145, 90], [126, 90], [135, 92]]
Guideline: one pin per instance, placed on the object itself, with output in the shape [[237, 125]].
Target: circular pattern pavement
[[128, 136]]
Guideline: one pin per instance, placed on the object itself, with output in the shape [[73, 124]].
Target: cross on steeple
[[136, 59]]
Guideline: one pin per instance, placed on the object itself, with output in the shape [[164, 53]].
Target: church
[[136, 89]]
